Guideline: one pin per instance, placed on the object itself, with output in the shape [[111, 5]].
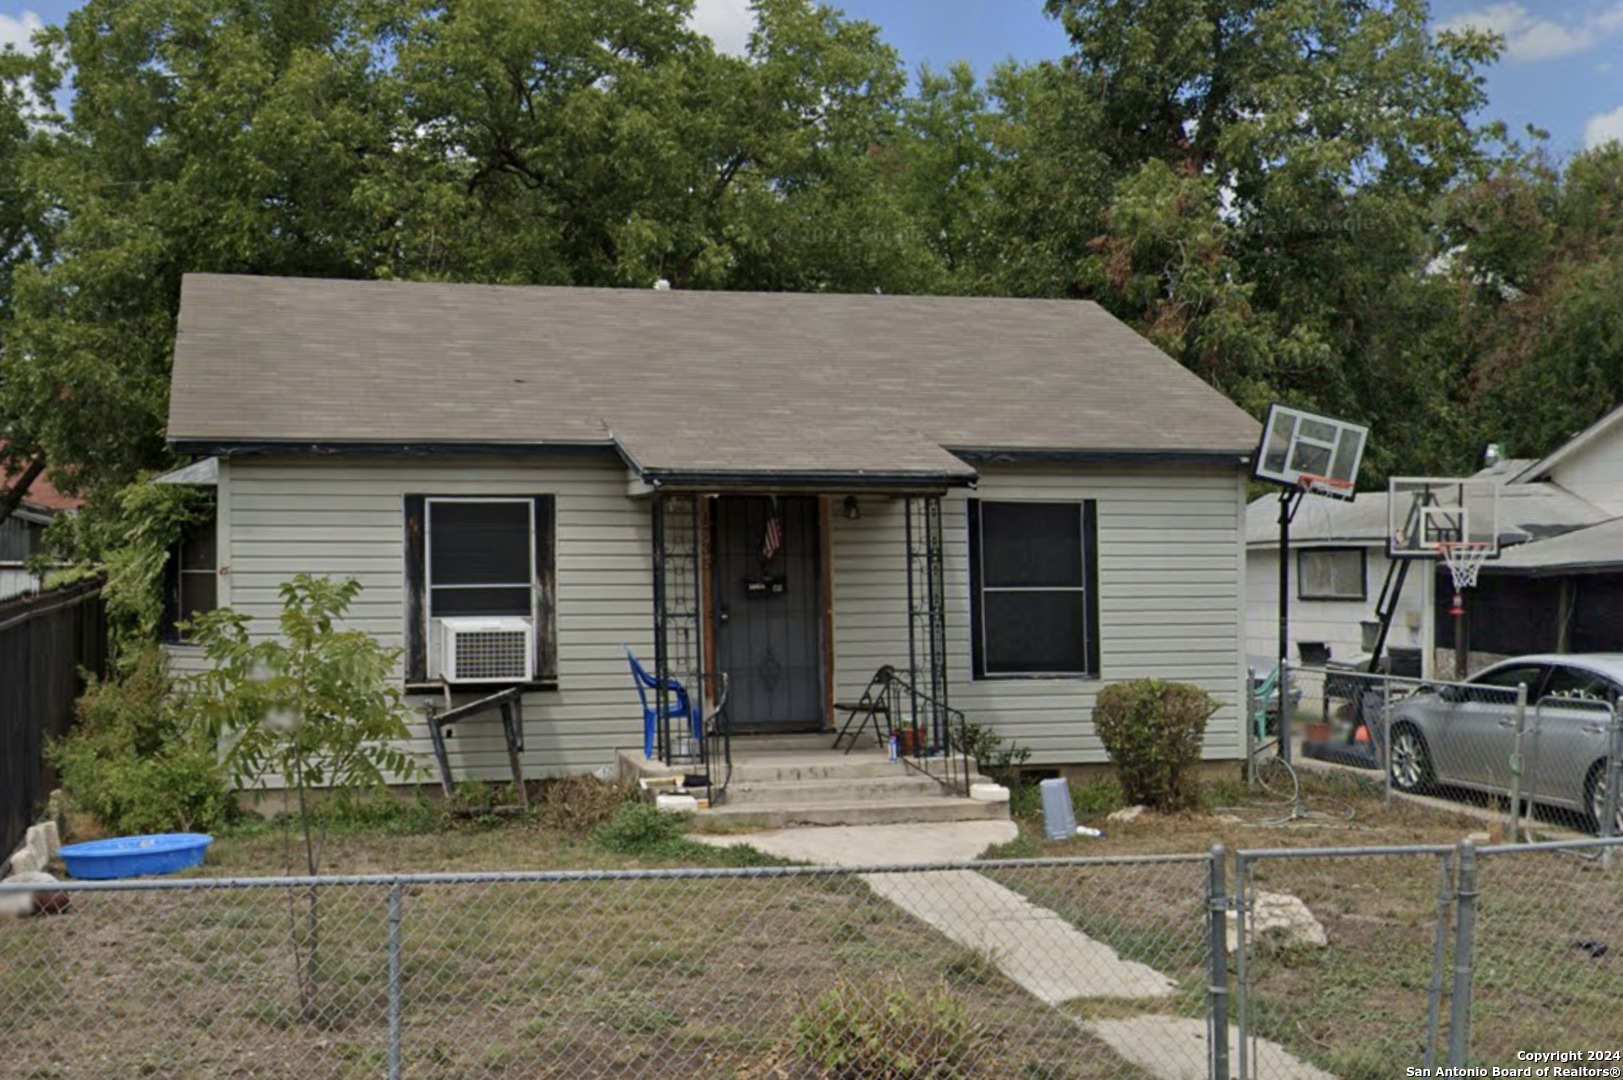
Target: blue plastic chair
[[679, 709]]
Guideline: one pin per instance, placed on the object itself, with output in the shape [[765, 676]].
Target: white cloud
[[1604, 128], [18, 30], [727, 22], [1529, 38]]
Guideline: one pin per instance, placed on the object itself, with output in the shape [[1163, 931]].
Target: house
[[22, 532], [1015, 502], [1562, 592], [1557, 585]]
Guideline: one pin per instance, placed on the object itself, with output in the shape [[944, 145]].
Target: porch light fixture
[[853, 509]]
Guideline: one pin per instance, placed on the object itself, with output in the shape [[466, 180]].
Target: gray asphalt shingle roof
[[1596, 548], [682, 381], [1527, 512]]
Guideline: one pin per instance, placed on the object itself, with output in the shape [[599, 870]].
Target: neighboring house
[[1561, 593], [1557, 585], [792, 489], [21, 533]]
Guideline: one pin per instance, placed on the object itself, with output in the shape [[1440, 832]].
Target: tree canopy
[[1294, 198]]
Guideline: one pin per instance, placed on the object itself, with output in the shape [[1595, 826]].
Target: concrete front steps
[[799, 780]]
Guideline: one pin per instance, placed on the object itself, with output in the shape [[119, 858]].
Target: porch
[[774, 613]]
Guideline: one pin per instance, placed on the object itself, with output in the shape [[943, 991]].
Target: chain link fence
[[1346, 962], [1536, 748], [1339, 960], [1006, 970]]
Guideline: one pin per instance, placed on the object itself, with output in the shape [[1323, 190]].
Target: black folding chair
[[872, 708]]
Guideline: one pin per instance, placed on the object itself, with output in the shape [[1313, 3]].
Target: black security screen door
[[769, 612]]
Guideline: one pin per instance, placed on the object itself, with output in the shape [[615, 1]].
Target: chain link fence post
[[396, 1002], [1217, 988], [1459, 1021], [1242, 907], [1614, 776], [1514, 832], [1252, 699], [1439, 961]]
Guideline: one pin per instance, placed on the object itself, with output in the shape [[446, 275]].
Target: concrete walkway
[[1037, 949]]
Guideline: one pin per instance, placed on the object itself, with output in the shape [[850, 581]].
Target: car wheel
[[1410, 761], [1596, 786]]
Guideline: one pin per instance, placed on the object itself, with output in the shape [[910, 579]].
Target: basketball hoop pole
[[1289, 500]]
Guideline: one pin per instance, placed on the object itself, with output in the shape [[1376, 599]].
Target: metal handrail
[[717, 746], [949, 733]]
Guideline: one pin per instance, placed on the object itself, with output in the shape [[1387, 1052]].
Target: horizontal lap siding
[[343, 519], [1171, 600]]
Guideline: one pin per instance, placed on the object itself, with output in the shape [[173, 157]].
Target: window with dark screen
[[1033, 588]]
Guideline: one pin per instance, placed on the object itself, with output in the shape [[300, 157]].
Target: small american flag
[[772, 542]]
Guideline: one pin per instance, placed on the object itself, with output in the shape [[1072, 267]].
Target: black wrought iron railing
[[932, 736], [716, 748]]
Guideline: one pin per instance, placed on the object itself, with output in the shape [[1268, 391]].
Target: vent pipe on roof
[[662, 285], [1493, 455]]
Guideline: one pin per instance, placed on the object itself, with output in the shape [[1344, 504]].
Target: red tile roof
[[41, 494]]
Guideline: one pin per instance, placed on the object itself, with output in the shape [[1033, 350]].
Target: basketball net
[[1464, 560]]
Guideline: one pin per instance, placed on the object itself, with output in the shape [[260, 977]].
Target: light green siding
[[343, 518], [1171, 590], [1171, 600]]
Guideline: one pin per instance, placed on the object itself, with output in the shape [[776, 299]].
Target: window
[[193, 585], [1331, 574], [481, 558], [470, 556], [1509, 678], [19, 539], [1572, 687], [1034, 574]]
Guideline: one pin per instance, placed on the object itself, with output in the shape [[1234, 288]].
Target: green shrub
[[867, 1033], [135, 764], [638, 829], [1153, 731], [1100, 795], [386, 812], [995, 756], [1026, 799]]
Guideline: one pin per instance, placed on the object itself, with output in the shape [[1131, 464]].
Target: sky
[[1562, 70]]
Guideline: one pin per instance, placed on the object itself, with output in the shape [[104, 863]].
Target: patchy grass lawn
[[710, 977], [1358, 1007], [700, 977]]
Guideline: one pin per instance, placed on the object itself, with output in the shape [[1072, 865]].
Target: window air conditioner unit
[[487, 650]]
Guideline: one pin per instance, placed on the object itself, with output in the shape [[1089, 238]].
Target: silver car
[[1464, 735]]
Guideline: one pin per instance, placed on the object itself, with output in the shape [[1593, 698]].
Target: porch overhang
[[775, 455], [647, 483]]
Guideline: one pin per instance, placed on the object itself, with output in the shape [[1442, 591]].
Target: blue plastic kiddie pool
[[136, 856]]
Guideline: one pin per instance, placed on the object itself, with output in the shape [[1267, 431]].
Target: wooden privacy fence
[[45, 641]]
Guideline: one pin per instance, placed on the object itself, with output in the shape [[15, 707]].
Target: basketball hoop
[[1464, 560], [1327, 486]]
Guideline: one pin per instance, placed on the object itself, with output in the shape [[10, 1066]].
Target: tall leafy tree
[[1250, 182], [1538, 266]]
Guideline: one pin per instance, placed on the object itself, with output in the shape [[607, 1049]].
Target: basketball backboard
[[1427, 513], [1297, 444]]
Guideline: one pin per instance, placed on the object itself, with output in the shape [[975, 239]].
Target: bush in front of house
[[1153, 732], [135, 764], [889, 1032]]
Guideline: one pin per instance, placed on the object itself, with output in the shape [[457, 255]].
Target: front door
[[767, 569]]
